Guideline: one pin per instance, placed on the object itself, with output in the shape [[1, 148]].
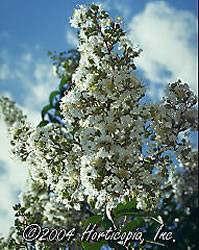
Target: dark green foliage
[[69, 61]]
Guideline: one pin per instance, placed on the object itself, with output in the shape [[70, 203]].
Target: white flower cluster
[[111, 148], [40, 206], [102, 113], [98, 156], [95, 159], [11, 114]]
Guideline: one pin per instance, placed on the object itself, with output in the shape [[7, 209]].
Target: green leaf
[[136, 223], [43, 123], [63, 81], [127, 208], [45, 110], [52, 96], [116, 246], [93, 246], [95, 219], [106, 223], [94, 7], [17, 206], [51, 118], [50, 53]]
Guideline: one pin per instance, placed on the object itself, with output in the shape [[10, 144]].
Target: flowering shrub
[[98, 145]]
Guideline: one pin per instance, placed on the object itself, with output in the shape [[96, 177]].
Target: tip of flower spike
[[119, 19], [79, 16]]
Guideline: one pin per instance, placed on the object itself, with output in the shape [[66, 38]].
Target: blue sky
[[44, 22], [35, 27], [165, 30]]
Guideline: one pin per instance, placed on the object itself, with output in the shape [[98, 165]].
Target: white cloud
[[122, 8], [119, 6], [4, 72], [166, 36], [71, 38], [35, 80], [43, 83], [11, 181], [27, 57]]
